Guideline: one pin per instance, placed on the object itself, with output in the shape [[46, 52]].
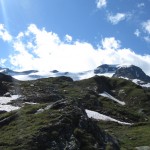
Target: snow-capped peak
[[124, 65]]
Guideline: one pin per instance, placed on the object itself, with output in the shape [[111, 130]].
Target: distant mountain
[[105, 69], [7, 71], [6, 78], [132, 72], [129, 72]]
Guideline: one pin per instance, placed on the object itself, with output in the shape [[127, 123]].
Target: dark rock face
[[105, 68], [132, 72], [5, 78], [55, 71], [3, 89]]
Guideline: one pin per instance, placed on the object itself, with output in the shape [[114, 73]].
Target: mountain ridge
[[126, 71]]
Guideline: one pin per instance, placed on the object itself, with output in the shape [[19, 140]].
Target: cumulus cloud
[[101, 3], [4, 34], [146, 26], [42, 50], [110, 43], [45, 51], [115, 19]]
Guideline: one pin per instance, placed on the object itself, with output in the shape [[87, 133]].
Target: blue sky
[[74, 35]]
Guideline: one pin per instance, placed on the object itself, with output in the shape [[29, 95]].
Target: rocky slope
[[59, 113]]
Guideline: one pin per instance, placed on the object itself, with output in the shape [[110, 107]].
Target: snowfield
[[4, 103], [105, 94], [76, 75], [98, 116]]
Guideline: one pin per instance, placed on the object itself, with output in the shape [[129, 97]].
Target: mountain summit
[[131, 72]]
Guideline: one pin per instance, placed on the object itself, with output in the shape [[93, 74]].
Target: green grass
[[26, 126], [129, 136]]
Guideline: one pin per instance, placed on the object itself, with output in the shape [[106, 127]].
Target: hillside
[[55, 113]]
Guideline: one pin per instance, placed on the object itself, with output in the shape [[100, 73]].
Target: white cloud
[[137, 32], [140, 5], [110, 43], [146, 26], [68, 38], [147, 39], [43, 50], [115, 19], [20, 35], [4, 34], [2, 62], [101, 3]]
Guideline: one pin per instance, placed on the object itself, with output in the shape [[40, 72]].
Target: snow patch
[[5, 100], [105, 94], [8, 108], [43, 109], [146, 85], [98, 116], [30, 103], [108, 74], [141, 83]]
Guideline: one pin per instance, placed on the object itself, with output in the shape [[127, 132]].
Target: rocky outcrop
[[74, 130], [3, 87], [5, 78], [105, 69], [132, 72]]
